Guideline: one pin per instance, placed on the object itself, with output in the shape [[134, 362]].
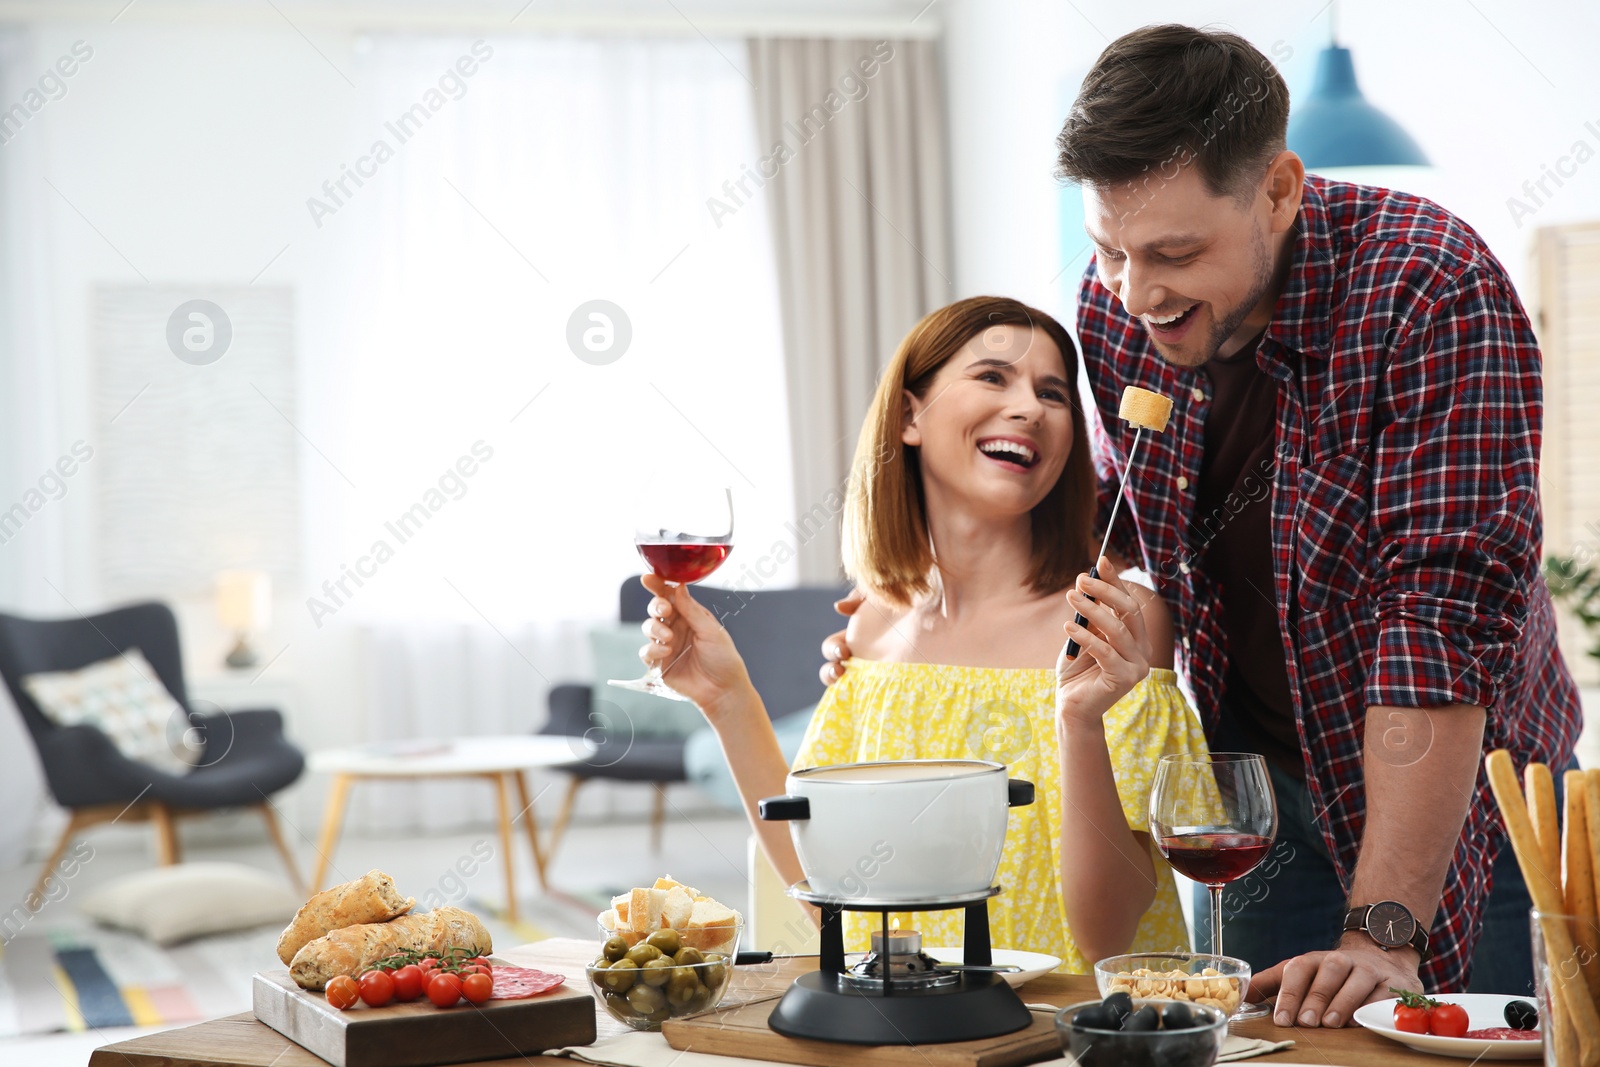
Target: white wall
[[1492, 90], [182, 152], [182, 113], [140, 169]]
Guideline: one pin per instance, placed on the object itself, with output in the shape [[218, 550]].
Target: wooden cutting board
[[742, 1030], [418, 1034]]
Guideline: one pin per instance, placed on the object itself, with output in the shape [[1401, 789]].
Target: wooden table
[[241, 1041], [504, 761]]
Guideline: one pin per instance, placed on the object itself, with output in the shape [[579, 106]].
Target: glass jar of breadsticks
[[1559, 864]]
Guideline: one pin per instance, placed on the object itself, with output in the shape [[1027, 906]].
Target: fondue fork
[[1143, 410]]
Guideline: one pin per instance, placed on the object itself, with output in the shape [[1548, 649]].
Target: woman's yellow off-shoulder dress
[[895, 711]]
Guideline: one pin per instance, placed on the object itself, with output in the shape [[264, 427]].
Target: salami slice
[[1503, 1033], [520, 983]]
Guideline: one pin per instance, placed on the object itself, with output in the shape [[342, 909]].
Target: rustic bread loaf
[[355, 948], [371, 898]]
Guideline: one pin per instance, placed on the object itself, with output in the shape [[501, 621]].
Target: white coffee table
[[504, 761]]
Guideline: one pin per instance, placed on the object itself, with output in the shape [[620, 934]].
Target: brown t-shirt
[[1233, 521]]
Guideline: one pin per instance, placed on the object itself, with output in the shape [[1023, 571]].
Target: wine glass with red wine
[[685, 533], [1214, 818]]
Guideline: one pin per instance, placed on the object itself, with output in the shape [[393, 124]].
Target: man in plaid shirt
[[1343, 513]]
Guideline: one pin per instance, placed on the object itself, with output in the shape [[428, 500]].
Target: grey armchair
[[245, 758]]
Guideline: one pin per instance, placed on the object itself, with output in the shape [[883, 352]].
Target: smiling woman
[[969, 514], [1002, 343]]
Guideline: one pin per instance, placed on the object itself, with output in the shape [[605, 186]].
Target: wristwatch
[[1390, 924]]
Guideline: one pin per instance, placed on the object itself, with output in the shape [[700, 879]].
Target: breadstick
[[1578, 885], [1567, 984], [1591, 814], [1564, 1036], [1541, 791]]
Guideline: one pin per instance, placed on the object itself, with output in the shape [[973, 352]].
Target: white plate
[[1033, 964], [1483, 1011]]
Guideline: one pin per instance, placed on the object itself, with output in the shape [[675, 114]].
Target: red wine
[[1214, 859], [684, 563]]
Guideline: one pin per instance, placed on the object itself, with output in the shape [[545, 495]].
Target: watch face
[[1390, 924]]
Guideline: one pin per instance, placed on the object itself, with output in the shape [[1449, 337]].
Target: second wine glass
[[684, 534], [1214, 818]]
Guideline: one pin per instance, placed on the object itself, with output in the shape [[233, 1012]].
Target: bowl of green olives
[[660, 978]]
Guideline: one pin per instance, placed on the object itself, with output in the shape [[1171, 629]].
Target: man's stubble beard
[[1258, 291], [1221, 331]]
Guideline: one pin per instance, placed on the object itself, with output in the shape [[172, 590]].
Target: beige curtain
[[854, 167]]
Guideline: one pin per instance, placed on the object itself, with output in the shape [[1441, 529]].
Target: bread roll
[[369, 899], [354, 948]]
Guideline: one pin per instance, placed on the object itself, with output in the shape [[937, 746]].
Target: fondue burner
[[897, 994], [898, 955]]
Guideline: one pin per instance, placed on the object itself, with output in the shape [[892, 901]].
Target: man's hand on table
[[1326, 988]]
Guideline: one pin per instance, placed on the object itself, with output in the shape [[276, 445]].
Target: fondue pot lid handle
[[1019, 793], [783, 809]]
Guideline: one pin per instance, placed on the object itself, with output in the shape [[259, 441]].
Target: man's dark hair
[[1163, 97]]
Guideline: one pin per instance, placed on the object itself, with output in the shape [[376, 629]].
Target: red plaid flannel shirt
[[1406, 523]]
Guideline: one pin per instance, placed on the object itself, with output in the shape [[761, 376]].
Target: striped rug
[[80, 976], [89, 978]]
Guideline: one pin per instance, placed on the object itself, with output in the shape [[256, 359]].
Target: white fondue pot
[[903, 830]]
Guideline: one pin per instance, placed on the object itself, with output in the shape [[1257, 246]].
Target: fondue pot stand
[[897, 995]]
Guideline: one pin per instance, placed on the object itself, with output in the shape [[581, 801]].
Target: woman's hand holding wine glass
[[685, 532], [690, 647]]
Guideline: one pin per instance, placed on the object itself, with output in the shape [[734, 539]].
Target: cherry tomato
[[377, 988], [1448, 1020], [342, 992], [408, 983], [477, 988], [444, 989], [1410, 1020]]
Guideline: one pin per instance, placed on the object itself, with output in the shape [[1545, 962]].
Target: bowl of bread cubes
[[666, 951]]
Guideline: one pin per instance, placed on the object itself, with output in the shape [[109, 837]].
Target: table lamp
[[244, 605]]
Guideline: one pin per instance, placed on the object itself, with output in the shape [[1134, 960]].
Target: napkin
[[1235, 1047]]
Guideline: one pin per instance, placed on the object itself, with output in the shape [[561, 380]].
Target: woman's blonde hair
[[886, 544]]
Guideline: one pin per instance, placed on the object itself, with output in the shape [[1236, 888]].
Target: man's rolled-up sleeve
[[1455, 476]]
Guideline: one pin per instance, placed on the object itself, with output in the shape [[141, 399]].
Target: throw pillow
[[188, 900], [123, 699], [627, 712]]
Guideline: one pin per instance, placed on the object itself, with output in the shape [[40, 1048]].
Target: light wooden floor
[[707, 852]]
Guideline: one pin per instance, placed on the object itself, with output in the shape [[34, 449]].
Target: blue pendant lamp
[[1335, 126]]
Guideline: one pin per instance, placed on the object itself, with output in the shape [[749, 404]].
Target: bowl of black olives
[[1142, 1032], [657, 979]]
